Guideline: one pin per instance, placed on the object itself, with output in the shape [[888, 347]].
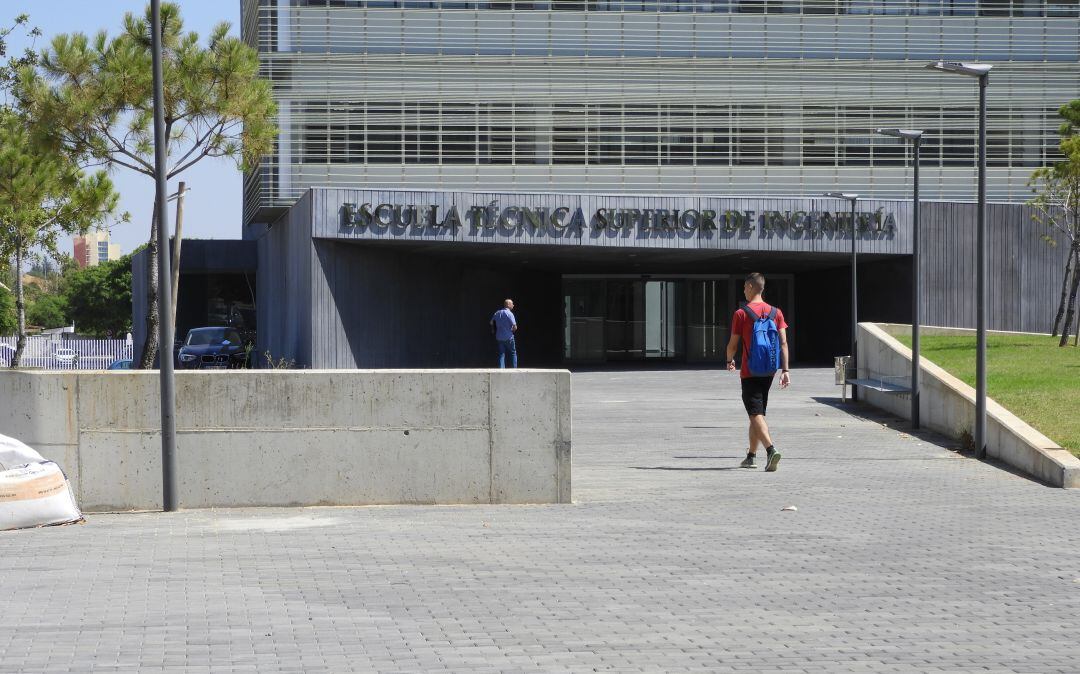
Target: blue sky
[[213, 206]]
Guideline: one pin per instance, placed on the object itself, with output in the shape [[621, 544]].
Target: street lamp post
[[915, 138], [170, 488], [854, 285], [981, 71]]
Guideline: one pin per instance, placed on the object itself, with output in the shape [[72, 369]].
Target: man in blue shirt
[[503, 326]]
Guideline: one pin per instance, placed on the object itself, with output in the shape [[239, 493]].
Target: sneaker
[[774, 458], [748, 462]]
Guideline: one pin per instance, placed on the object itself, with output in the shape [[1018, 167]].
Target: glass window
[[459, 134], [314, 139], [525, 134], [384, 133], [1016, 8], [678, 141], [420, 133], [568, 138], [674, 134], [497, 134], [642, 129], [207, 336]]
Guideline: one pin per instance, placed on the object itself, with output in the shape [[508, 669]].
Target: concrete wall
[[947, 405], [312, 437]]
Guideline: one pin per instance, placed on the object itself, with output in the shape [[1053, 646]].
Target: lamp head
[[969, 69], [842, 195], [906, 134]]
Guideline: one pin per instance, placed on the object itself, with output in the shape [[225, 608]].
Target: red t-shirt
[[741, 326]]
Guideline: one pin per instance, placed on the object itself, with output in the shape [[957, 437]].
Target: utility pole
[[169, 478]]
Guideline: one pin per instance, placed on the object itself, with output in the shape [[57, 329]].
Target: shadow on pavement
[[643, 367], [875, 415], [818, 459], [692, 468]]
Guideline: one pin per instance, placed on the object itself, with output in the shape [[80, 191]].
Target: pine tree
[[97, 97]]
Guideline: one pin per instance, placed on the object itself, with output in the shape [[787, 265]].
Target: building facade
[[770, 98], [393, 114], [385, 278], [93, 248]]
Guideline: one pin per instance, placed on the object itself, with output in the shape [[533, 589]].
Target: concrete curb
[[948, 407]]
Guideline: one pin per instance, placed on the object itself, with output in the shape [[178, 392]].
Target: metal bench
[[883, 383]]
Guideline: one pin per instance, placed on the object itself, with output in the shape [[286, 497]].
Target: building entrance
[[647, 318]]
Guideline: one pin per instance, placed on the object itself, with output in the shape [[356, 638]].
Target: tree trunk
[[20, 307], [178, 238], [1076, 337], [1064, 294], [1071, 310], [150, 341]]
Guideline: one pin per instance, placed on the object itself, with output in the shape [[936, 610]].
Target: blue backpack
[[764, 347]]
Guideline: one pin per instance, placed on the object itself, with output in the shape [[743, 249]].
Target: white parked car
[[66, 357]]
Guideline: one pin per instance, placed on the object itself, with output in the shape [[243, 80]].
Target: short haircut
[[757, 280]]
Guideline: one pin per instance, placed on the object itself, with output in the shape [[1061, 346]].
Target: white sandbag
[[36, 495], [14, 453]]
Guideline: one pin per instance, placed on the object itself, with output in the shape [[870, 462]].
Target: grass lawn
[[1028, 374]]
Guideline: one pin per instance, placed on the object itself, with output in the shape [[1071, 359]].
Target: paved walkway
[[902, 556]]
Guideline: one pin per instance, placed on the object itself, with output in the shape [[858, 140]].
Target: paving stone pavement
[[903, 556]]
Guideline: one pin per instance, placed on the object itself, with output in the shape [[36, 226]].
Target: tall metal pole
[[981, 71], [981, 301], [915, 291], [854, 303], [170, 496]]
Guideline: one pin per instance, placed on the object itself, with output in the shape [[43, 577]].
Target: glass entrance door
[[613, 319], [623, 319], [583, 323], [707, 321], [664, 328], [624, 324]]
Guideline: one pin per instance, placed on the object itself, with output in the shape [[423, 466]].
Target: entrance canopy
[[623, 260], [410, 278]]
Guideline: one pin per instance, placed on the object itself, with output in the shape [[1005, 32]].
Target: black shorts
[[755, 394]]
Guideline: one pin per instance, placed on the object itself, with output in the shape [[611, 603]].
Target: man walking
[[503, 326], [763, 332]]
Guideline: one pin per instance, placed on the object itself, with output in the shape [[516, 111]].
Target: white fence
[[53, 353]]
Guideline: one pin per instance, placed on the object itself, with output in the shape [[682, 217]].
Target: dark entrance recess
[[216, 299], [427, 304], [651, 318], [217, 288]]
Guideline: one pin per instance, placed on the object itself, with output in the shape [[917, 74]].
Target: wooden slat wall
[[1024, 272], [285, 283]]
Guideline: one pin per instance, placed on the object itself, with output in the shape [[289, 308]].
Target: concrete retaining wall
[[947, 405], [302, 437]]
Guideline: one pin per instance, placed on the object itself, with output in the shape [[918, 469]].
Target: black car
[[212, 349]]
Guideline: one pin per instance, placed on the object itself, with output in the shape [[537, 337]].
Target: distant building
[[95, 248]]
